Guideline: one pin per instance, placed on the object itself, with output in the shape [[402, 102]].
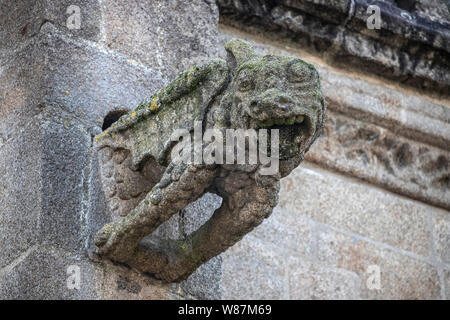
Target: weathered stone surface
[[429, 9], [36, 77], [380, 156], [21, 88], [41, 272], [254, 262], [404, 113], [120, 283], [205, 282], [99, 82], [349, 205], [420, 22], [95, 208], [186, 30], [287, 230], [337, 11], [331, 11], [19, 24], [310, 280], [64, 170], [169, 230], [60, 14], [54, 211], [206, 205], [441, 220], [337, 30], [401, 277], [20, 200], [447, 284], [255, 269]]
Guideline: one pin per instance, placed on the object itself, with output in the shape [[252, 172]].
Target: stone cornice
[[410, 47]]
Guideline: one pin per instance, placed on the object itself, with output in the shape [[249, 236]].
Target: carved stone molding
[[379, 156]]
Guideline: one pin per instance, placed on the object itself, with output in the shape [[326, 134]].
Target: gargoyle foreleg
[[180, 185], [240, 213]]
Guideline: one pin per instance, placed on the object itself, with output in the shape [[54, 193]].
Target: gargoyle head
[[275, 93]]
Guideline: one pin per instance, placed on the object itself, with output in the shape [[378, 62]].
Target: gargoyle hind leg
[[180, 185], [240, 213]]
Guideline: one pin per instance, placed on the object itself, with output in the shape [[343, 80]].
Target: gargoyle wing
[[146, 131]]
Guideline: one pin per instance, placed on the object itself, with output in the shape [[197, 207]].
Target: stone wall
[[57, 85], [372, 193]]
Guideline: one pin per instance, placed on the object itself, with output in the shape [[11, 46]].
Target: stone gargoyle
[[145, 186]]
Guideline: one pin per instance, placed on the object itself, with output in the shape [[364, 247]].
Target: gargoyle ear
[[239, 52]]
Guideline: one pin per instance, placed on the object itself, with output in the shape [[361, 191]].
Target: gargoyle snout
[[271, 104]]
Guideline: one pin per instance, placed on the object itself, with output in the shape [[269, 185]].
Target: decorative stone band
[[409, 48], [379, 156]]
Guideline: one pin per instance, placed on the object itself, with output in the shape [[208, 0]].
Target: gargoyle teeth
[[283, 121], [290, 121]]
